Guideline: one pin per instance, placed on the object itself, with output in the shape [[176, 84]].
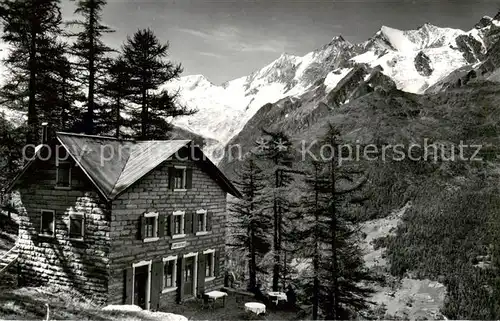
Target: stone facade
[[102, 266], [59, 260], [152, 194]]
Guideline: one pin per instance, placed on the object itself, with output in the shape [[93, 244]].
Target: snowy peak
[[413, 59], [426, 36], [338, 38], [195, 81]]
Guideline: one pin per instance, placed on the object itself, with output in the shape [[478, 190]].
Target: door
[[189, 276], [140, 285]]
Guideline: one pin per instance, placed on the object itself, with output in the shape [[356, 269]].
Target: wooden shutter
[[201, 274], [188, 223], [156, 284], [128, 296], [170, 224], [180, 278], [171, 178], [142, 234], [195, 222], [209, 220], [189, 178], [216, 263], [161, 225]]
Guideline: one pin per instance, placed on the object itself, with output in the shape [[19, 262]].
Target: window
[[178, 224], [169, 273], [150, 228], [76, 226], [179, 179], [201, 222], [47, 224], [63, 172], [209, 263]]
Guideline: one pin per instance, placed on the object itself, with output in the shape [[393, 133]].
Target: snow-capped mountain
[[413, 59]]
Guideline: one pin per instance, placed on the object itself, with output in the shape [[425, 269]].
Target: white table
[[214, 295], [277, 296], [255, 307]]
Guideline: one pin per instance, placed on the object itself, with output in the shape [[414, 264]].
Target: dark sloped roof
[[113, 165]]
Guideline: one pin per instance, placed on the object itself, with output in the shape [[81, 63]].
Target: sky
[[228, 39]]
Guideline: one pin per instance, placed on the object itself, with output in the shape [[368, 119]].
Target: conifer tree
[[11, 142], [58, 92], [330, 238], [146, 61], [275, 149], [91, 53], [116, 88], [31, 29], [248, 222]]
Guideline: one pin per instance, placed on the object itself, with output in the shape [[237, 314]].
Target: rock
[[423, 64], [471, 49], [483, 23]]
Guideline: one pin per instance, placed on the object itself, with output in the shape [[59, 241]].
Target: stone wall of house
[[83, 265], [151, 194]]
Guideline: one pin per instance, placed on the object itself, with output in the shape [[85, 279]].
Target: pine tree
[[116, 88], [276, 150], [145, 57], [248, 223], [329, 237], [11, 142], [91, 52], [31, 28], [58, 92]]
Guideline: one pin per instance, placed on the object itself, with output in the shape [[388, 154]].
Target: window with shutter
[[209, 259], [169, 274], [150, 227], [201, 220], [177, 178], [178, 224]]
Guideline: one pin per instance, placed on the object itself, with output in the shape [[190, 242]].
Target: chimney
[[44, 133]]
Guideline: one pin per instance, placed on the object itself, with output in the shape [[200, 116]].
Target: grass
[[234, 310], [66, 304]]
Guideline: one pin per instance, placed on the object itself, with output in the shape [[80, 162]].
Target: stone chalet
[[121, 221]]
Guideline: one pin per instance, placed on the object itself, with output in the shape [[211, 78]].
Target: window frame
[[53, 235], [82, 237], [205, 219], [174, 281], [60, 162], [183, 224], [156, 237], [184, 178], [212, 267]]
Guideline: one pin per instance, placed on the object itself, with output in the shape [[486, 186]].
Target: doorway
[[189, 276], [141, 278]]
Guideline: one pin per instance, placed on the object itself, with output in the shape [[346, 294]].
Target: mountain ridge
[[414, 59]]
